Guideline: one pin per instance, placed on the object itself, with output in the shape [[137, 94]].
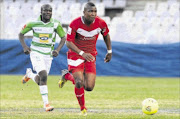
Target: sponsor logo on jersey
[[43, 30], [44, 38], [88, 38], [37, 29]]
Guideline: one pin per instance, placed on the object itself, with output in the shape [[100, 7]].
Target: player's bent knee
[[43, 77], [78, 83], [37, 79], [89, 88]]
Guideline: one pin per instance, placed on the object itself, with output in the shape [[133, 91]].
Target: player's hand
[[55, 53], [88, 57], [27, 50], [108, 57]]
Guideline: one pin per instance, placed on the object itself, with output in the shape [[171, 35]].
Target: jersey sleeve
[[26, 28], [60, 31], [71, 32], [104, 28]]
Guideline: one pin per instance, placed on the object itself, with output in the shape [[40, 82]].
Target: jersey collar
[[83, 20], [39, 19]]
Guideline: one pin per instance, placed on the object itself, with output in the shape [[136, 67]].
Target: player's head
[[90, 12], [46, 12]]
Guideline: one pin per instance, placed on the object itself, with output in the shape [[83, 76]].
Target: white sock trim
[[32, 76], [43, 89], [44, 93]]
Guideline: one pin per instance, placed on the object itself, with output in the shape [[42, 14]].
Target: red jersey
[[84, 36]]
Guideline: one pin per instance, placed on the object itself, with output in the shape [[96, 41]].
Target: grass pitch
[[112, 98]]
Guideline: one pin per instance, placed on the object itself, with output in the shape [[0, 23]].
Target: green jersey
[[44, 35]]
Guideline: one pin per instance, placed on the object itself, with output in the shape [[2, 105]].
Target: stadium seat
[[135, 30], [61, 8], [112, 33], [82, 1], [93, 1], [164, 14], [144, 22], [167, 21], [151, 14], [108, 3], [70, 2], [122, 33], [57, 1], [98, 1], [150, 6], [131, 21], [13, 10], [174, 9], [100, 9], [16, 4], [169, 2], [75, 10], [155, 22], [36, 8], [107, 19], [176, 22], [66, 18], [139, 14], [120, 3], [161, 8], [127, 14], [28, 8], [116, 20]]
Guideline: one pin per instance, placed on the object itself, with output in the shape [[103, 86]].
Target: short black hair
[[89, 4], [45, 5]]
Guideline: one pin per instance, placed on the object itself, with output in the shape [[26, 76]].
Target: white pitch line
[[91, 110]]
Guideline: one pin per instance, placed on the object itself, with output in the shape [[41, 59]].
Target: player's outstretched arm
[[109, 48], [61, 44], [26, 49]]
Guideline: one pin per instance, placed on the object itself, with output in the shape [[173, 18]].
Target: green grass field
[[112, 98]]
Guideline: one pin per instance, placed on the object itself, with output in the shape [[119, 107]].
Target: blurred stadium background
[[144, 34]]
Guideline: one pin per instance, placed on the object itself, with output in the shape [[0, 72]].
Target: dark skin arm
[[108, 45], [73, 47], [26, 49], [61, 44]]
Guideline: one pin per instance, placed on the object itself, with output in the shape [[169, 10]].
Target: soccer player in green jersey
[[42, 49]]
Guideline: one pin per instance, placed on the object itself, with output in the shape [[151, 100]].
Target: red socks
[[80, 96], [69, 77], [78, 91]]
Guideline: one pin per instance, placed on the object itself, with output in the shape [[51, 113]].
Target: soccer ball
[[150, 106]]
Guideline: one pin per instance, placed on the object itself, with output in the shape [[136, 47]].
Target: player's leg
[[29, 74], [79, 88], [89, 76], [47, 64], [44, 89], [89, 81], [42, 65], [76, 66], [65, 76], [73, 62]]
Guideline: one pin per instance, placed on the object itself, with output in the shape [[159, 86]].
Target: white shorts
[[40, 62]]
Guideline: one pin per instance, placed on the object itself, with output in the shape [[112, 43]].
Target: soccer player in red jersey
[[81, 40]]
